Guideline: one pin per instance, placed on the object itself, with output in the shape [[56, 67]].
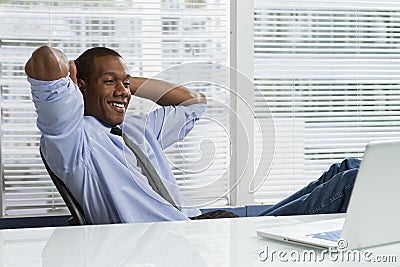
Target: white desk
[[223, 242]]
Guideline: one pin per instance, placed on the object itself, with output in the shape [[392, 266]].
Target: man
[[80, 102], [75, 114]]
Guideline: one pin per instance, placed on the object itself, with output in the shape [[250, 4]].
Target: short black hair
[[85, 62]]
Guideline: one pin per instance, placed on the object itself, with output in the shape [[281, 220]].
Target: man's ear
[[82, 86]]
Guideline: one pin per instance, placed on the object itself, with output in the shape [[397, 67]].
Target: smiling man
[[79, 102], [106, 92]]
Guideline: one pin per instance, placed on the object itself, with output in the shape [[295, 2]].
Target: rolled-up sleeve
[[59, 105], [173, 123]]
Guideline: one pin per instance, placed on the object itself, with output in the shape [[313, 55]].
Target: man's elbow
[[195, 98], [201, 98], [188, 98], [47, 64]]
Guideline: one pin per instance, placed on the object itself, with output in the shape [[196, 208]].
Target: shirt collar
[[98, 124]]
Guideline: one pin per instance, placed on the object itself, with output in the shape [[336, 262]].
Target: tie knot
[[116, 130]]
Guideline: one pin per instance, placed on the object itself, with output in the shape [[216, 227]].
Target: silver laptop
[[372, 217]]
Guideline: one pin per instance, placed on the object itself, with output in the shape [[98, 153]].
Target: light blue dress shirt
[[97, 166]]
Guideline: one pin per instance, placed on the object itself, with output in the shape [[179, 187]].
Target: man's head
[[103, 79]]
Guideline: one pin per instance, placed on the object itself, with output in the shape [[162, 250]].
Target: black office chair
[[75, 209]]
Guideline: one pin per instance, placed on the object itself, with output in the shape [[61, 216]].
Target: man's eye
[[126, 84], [109, 81]]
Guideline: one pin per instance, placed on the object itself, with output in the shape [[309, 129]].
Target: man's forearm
[[165, 93], [47, 64]]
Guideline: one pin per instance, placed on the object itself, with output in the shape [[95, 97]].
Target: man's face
[[107, 92]]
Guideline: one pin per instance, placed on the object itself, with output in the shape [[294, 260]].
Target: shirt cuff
[[49, 90]]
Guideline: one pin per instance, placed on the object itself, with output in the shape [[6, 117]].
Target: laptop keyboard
[[331, 235]]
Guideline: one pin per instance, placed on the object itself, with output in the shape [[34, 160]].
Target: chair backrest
[[75, 209]]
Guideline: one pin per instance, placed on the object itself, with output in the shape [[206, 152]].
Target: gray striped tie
[[147, 167]]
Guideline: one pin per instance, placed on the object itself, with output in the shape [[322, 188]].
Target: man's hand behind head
[[47, 64], [72, 71]]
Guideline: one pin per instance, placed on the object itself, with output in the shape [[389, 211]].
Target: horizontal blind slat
[[326, 71]]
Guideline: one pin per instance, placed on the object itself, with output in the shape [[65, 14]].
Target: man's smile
[[118, 106]]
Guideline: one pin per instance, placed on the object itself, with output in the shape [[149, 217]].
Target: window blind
[[328, 72], [152, 36]]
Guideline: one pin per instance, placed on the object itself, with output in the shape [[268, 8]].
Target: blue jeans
[[328, 194]]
